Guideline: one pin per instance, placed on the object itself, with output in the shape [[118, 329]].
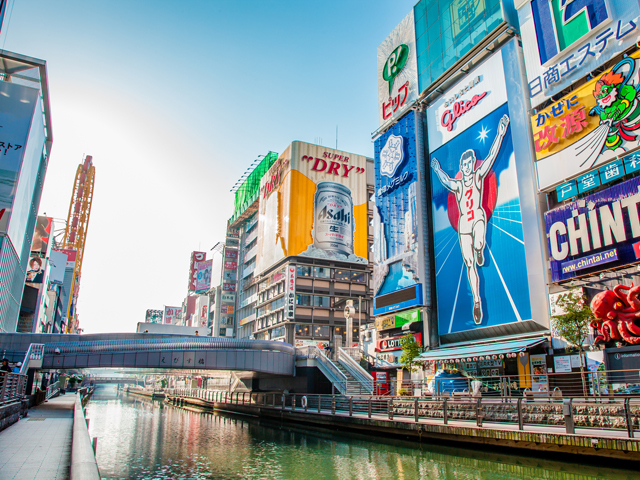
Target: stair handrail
[[328, 368], [35, 353], [360, 374]]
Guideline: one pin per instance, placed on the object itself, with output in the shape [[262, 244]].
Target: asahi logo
[[340, 216]]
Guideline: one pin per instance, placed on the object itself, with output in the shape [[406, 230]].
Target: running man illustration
[[472, 223]]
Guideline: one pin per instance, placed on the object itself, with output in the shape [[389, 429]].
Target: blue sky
[[174, 100]]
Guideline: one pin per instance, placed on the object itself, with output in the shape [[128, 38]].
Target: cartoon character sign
[[472, 220], [480, 265]]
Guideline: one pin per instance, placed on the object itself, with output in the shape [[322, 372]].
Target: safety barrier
[[12, 387]]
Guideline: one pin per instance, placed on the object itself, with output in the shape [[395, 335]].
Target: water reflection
[[140, 439]]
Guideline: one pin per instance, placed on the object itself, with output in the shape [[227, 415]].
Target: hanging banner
[[290, 293], [203, 282]]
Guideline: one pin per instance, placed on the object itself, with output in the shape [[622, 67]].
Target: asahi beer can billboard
[[313, 202]]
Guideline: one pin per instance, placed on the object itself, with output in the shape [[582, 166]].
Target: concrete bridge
[[153, 352]]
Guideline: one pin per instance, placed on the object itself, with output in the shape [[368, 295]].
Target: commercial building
[[458, 232], [26, 145]]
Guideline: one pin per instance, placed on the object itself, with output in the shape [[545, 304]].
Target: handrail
[[359, 373], [52, 389], [12, 387], [35, 352], [328, 368]]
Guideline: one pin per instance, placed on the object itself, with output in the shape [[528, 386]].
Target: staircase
[[354, 387]]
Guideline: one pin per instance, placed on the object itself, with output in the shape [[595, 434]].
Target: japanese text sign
[[290, 293]]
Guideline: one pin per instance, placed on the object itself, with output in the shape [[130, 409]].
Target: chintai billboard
[[481, 266], [313, 203], [598, 232]]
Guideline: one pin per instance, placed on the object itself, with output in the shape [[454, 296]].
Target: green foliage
[[410, 350], [572, 324]]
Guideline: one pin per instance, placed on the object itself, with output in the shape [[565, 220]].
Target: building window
[[303, 331], [277, 332], [304, 300], [357, 277], [321, 272], [321, 332], [344, 275], [303, 271], [319, 301]]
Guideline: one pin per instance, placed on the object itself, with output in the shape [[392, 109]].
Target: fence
[[617, 414], [12, 387]]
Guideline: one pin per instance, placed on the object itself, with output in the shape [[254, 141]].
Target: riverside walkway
[[39, 446]]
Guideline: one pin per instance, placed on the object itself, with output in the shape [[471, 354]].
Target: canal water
[[143, 439]]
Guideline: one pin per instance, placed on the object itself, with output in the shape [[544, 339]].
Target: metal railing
[[354, 368], [12, 387], [326, 366], [52, 390], [614, 414]]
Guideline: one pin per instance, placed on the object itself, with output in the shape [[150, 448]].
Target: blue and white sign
[[632, 162], [611, 171], [392, 155], [566, 190], [565, 40], [395, 217], [589, 228], [588, 181]]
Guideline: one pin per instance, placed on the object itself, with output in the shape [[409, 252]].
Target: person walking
[[16, 369], [5, 366]]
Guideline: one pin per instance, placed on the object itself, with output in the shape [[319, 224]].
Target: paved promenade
[[39, 446]]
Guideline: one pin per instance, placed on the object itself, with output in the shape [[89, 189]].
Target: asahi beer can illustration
[[333, 222]]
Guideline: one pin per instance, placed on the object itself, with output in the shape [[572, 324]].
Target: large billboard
[[594, 233], [17, 105], [396, 218], [196, 257], [479, 248], [595, 123], [564, 41], [313, 203], [397, 71]]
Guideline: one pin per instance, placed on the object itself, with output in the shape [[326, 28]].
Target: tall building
[[25, 119]]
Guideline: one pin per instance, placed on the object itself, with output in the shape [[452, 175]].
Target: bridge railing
[[12, 387], [354, 368], [591, 415], [326, 366]]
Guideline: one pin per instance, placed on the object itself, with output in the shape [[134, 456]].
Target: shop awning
[[452, 353]]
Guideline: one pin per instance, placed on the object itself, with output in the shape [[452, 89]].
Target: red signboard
[[393, 343], [229, 287], [636, 249], [231, 253], [230, 265], [193, 268]]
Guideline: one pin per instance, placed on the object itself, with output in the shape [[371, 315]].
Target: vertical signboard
[[564, 41], [595, 123], [397, 71], [196, 257], [480, 262], [17, 105], [313, 203], [203, 281], [290, 293], [41, 235], [395, 214]]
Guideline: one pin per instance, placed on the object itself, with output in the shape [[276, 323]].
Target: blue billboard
[[395, 217], [593, 233]]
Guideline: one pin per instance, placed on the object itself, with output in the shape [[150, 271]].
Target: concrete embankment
[[597, 443]]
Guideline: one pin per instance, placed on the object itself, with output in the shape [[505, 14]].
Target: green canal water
[[141, 439]]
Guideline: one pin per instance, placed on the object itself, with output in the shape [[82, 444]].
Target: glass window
[[433, 33], [432, 14], [303, 271], [321, 272], [420, 9], [321, 331], [339, 330], [450, 57], [422, 43], [319, 301], [423, 61], [303, 331], [303, 300], [357, 277], [342, 275]]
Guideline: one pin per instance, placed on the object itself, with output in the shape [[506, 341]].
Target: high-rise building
[[25, 142]]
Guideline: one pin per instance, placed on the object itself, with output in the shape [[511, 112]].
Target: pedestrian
[[16, 369], [5, 366]]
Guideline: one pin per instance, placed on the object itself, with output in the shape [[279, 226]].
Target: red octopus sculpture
[[615, 314]]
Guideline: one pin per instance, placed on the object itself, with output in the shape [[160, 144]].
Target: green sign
[[407, 317], [394, 64]]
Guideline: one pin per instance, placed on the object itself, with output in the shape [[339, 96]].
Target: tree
[[572, 322], [410, 350]]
